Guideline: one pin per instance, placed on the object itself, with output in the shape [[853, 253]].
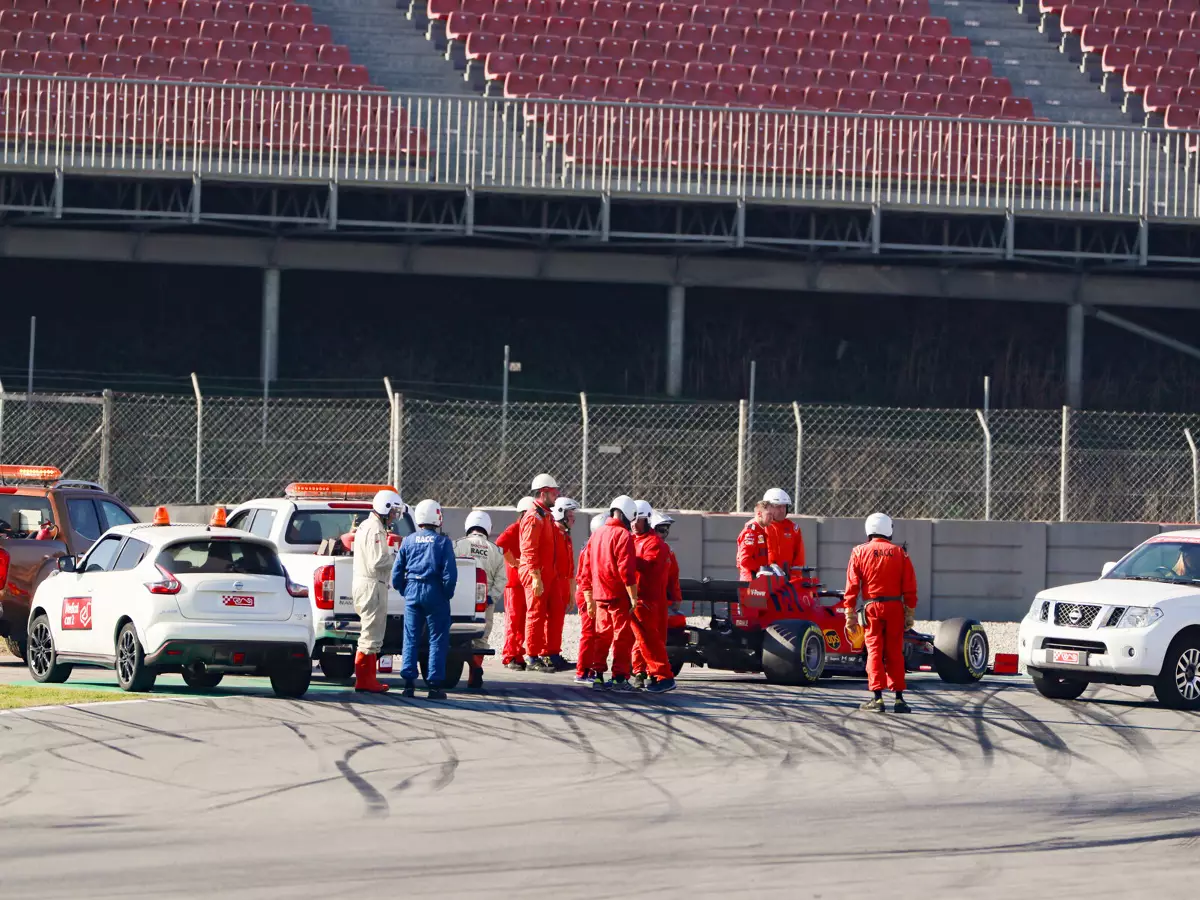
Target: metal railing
[[834, 460], [542, 145]]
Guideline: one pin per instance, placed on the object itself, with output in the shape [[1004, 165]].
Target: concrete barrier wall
[[987, 570]]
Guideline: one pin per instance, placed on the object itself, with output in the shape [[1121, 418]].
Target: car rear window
[[22, 516], [219, 557], [311, 526]]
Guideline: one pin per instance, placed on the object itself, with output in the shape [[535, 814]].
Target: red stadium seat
[[334, 55], [630, 31], [133, 44], [100, 44], [933, 84], [936, 26], [798, 77], [601, 67], [1016, 108], [546, 44], [252, 71], [746, 55], [820, 98], [851, 100], [893, 44], [858, 42], [700, 72], [787, 96], [186, 68], [779, 57], [825, 40], [1095, 38], [1152, 57], [1158, 99], [967, 85], [668, 70], [82, 64], [81, 24], [774, 19], [302, 54], [352, 76], [59, 43], [718, 94], [997, 87], [905, 25], [641, 11], [298, 14], [1182, 117], [116, 25], [754, 95], [595, 28], [637, 69], [863, 80], [812, 58], [870, 23], [714, 53], [886, 102], [649, 50], [879, 62], [130, 8], [911, 63], [235, 50], [198, 9], [118, 65], [1074, 18], [49, 22], [833, 79], [1183, 58], [654, 90], [953, 105], [583, 46], [615, 48], [33, 41], [924, 45], [900, 82], [618, 88], [687, 92], [956, 46], [660, 31], [49, 63], [986, 107], [977, 66]]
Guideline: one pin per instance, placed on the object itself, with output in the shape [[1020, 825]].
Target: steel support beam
[[1148, 333], [666, 269], [676, 301], [270, 325], [1075, 355]]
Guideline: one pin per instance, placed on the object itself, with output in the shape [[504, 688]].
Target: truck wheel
[[43, 661], [1178, 685], [202, 680], [291, 679], [1056, 687], [132, 671], [454, 671], [18, 647], [961, 651], [793, 653], [337, 666]]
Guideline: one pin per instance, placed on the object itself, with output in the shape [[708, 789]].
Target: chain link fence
[[1037, 465]]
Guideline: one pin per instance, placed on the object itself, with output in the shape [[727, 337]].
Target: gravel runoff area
[[1002, 636]]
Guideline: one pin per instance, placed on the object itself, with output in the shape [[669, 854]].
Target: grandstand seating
[[1150, 48], [225, 42], [852, 56]]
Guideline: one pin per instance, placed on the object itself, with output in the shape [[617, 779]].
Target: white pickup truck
[[307, 526]]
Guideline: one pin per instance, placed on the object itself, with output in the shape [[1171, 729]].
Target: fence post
[[1063, 454], [398, 414], [799, 453], [987, 466], [741, 453], [106, 438], [391, 440], [199, 432], [583, 478], [1187, 433]]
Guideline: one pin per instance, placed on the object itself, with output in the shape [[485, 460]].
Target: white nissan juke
[[149, 599], [1139, 624]]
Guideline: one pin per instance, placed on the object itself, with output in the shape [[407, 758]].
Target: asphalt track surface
[[727, 787]]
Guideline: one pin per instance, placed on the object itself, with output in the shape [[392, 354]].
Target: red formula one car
[[794, 632]]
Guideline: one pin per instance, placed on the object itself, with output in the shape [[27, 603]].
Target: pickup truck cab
[[312, 527], [1138, 624], [43, 517]]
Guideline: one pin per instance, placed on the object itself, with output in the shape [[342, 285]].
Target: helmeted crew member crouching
[[752, 552], [372, 566], [610, 591], [881, 590], [587, 623], [478, 544], [426, 574], [564, 583], [515, 605]]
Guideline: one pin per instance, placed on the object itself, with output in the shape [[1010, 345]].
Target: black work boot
[[475, 679], [901, 706], [410, 689], [875, 704]]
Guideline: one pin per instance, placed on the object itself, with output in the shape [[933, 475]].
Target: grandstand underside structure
[[240, 134]]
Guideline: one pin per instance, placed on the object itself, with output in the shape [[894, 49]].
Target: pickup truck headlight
[[1035, 609], [1140, 617]]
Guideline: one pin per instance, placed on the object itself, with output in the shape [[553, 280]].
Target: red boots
[[365, 678]]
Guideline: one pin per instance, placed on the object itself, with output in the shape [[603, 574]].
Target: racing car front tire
[[793, 652], [1056, 687], [961, 651]]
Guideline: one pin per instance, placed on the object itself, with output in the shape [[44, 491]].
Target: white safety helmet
[[562, 506], [477, 518], [597, 523], [777, 496], [524, 505], [385, 502], [659, 519], [428, 512], [878, 523], [543, 481], [626, 505], [644, 509]]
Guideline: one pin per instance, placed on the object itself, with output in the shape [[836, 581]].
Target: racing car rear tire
[[793, 652], [961, 651], [1056, 687]]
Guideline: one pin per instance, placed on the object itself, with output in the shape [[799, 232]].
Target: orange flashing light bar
[[161, 517], [316, 490], [30, 473], [218, 518]]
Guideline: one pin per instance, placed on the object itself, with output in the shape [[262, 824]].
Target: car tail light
[[169, 584], [480, 590], [3, 568], [323, 587], [298, 591]]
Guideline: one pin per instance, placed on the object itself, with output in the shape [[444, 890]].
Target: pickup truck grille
[[1075, 615], [1067, 644]]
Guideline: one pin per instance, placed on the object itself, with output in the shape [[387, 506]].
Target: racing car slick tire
[[291, 679], [43, 663], [1056, 687], [202, 680], [1178, 685], [132, 672], [18, 647], [454, 670], [337, 666], [793, 652], [961, 651]]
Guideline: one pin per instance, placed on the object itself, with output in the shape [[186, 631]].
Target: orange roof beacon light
[[218, 518], [161, 517], [30, 473], [320, 490]]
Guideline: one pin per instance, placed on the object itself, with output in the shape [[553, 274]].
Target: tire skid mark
[[88, 764], [583, 743], [448, 766], [138, 726], [377, 805], [107, 745]]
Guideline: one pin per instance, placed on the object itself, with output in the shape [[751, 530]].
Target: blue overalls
[[426, 574]]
